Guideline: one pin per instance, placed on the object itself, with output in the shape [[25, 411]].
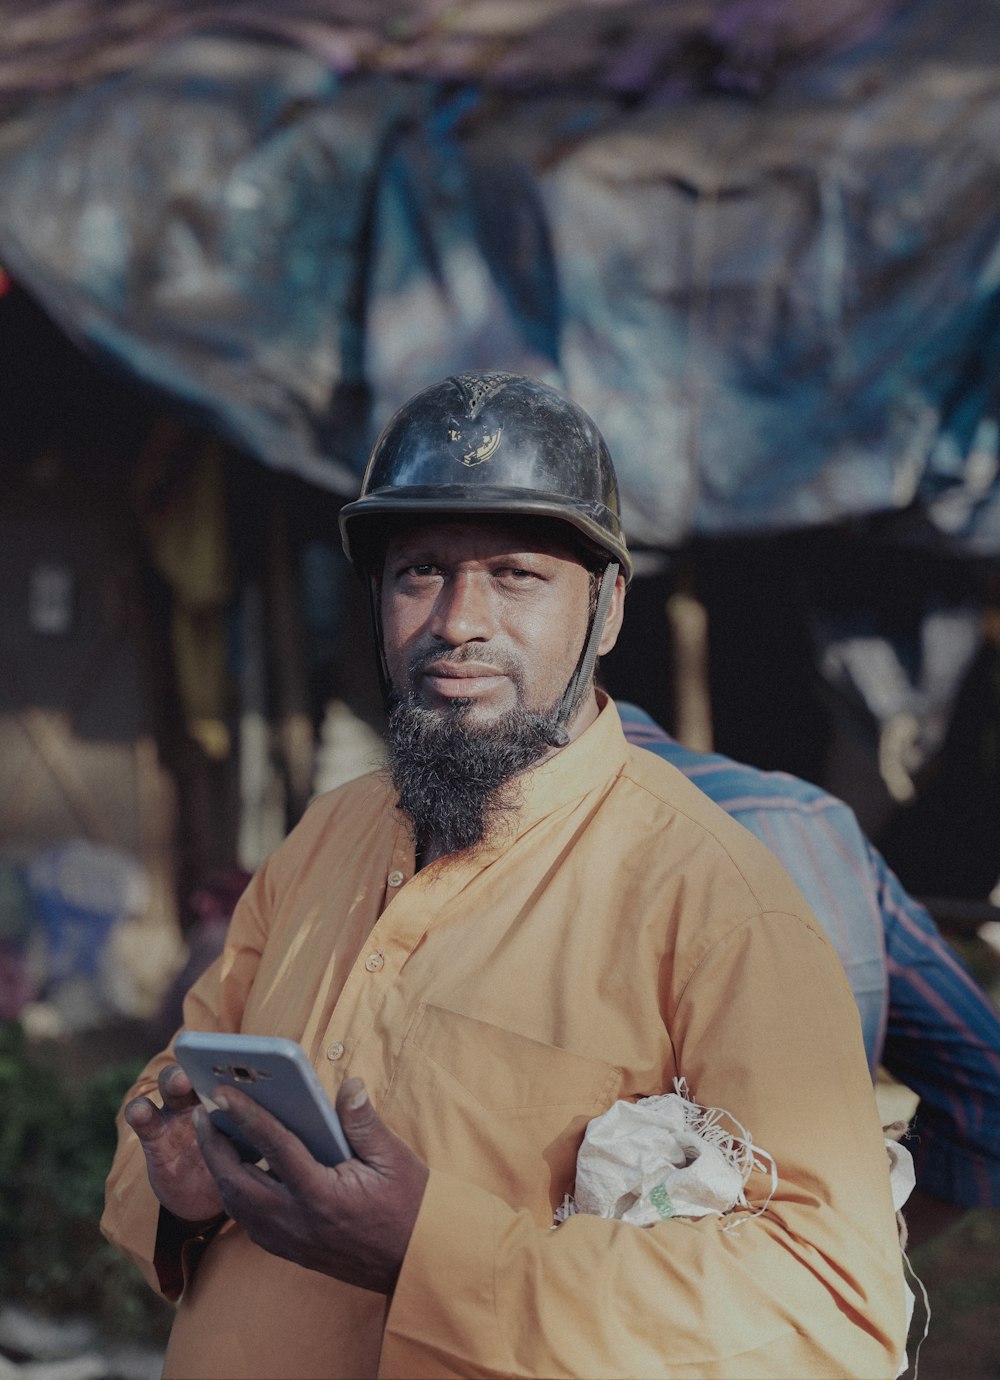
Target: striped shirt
[[922, 1014]]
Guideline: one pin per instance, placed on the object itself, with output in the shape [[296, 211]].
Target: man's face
[[483, 618]]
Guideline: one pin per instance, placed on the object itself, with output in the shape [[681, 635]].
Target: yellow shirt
[[624, 931]]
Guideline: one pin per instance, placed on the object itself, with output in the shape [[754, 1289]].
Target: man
[[923, 1017], [529, 921]]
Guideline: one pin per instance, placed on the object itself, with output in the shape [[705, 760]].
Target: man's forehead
[[486, 535]]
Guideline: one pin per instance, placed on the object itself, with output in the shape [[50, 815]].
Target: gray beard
[[457, 782]]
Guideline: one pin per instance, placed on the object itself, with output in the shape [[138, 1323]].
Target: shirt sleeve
[[943, 1042], [132, 1217], [767, 1029]]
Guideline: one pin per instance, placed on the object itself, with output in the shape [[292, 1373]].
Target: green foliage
[[56, 1146]]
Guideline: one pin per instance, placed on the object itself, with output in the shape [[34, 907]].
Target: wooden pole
[[687, 620]]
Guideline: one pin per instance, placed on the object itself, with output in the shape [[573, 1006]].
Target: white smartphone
[[276, 1073]]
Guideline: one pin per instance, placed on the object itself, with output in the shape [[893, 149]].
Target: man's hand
[[353, 1221], [179, 1176]]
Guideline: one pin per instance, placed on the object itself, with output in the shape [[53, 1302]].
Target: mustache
[[454, 656]]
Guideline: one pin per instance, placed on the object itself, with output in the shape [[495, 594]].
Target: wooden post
[[687, 620]]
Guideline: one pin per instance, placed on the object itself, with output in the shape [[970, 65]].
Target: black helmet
[[490, 443]]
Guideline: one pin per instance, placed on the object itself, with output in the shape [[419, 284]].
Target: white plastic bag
[[662, 1157]]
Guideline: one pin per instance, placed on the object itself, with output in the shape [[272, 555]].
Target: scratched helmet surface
[[487, 444]]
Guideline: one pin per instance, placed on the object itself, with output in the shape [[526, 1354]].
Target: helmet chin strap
[[584, 667], [588, 657], [375, 621]]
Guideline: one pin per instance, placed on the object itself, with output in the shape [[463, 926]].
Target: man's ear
[[613, 621]]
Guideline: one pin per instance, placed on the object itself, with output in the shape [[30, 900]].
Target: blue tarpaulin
[[779, 301]]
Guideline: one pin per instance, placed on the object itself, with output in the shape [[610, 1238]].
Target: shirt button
[[374, 962], [336, 1050], [395, 879]]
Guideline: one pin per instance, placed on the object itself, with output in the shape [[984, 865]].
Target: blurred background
[[758, 240]]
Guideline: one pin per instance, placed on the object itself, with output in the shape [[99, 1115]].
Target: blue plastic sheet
[[780, 307]]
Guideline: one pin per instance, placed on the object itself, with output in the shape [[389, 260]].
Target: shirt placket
[[410, 906]]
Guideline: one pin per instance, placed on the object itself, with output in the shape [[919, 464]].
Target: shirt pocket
[[494, 1107]]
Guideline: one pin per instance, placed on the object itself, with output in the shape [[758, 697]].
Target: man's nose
[[463, 610]]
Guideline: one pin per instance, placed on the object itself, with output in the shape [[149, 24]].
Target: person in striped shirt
[[924, 1018]]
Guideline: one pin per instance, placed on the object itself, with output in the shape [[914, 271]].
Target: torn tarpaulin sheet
[[781, 307]]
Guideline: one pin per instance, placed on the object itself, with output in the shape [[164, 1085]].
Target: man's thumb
[[361, 1123], [383, 1151]]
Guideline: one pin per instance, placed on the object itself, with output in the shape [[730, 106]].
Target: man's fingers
[[175, 1088], [286, 1156], [240, 1184], [218, 1151], [144, 1117]]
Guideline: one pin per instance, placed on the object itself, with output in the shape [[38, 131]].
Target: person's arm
[[165, 1247], [943, 1042], [765, 1028]]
